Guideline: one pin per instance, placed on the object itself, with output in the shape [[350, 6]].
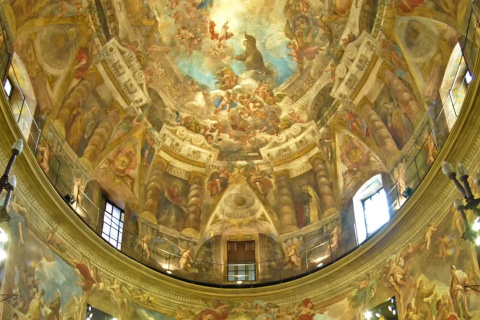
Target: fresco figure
[[252, 56], [303, 210], [398, 123], [225, 103], [217, 311], [185, 259], [458, 292], [306, 311], [444, 311], [88, 279], [409, 5], [144, 243], [313, 206], [392, 52], [262, 180], [366, 290], [428, 235], [334, 239], [172, 208], [227, 79], [148, 151], [433, 76], [301, 50], [218, 182], [85, 56], [15, 271], [82, 127], [54, 306], [36, 305], [356, 124], [292, 258], [423, 308], [44, 155]]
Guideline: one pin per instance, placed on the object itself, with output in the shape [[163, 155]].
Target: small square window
[[112, 229]]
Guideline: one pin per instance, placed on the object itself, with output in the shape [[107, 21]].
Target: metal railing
[[296, 262]]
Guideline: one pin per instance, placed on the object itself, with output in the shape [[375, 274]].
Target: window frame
[[369, 189], [112, 225], [370, 197], [12, 88], [241, 270]]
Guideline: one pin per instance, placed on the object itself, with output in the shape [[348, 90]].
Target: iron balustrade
[[207, 272]]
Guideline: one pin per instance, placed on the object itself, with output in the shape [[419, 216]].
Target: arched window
[[371, 208], [112, 230], [454, 86]]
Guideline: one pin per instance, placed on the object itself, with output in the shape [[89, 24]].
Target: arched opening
[[454, 86], [371, 208]]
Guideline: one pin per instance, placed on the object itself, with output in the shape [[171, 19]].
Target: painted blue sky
[[265, 22]]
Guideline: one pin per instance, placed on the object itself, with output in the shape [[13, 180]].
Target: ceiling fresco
[[239, 64], [209, 120]]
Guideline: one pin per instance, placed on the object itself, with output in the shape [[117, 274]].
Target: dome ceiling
[[236, 68], [209, 119]]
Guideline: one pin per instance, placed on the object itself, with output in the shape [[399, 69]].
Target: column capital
[[159, 161], [316, 157], [194, 176], [282, 174]]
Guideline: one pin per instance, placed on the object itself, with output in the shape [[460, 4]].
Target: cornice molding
[[430, 203]]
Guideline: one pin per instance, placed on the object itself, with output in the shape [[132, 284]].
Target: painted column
[[286, 209], [100, 136], [402, 93], [325, 190], [194, 205], [382, 136], [75, 100], [153, 190]]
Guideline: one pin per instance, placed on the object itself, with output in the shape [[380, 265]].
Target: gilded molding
[[181, 158], [295, 156], [114, 81], [430, 203], [364, 78]]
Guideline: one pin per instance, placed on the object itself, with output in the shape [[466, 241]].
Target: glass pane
[[108, 208], [376, 211], [116, 213]]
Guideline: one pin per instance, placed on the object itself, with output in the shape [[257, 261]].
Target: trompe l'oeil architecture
[[190, 159]]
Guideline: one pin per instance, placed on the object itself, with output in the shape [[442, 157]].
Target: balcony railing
[[296, 262]]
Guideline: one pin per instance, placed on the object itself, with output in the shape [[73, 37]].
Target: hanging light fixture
[[469, 202], [16, 151], [4, 217], [8, 183]]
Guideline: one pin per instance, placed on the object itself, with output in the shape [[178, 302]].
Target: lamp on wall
[[9, 183], [469, 202], [12, 183]]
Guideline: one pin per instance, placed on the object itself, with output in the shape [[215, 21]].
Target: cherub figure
[[292, 256], [225, 103], [185, 259], [428, 235]]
